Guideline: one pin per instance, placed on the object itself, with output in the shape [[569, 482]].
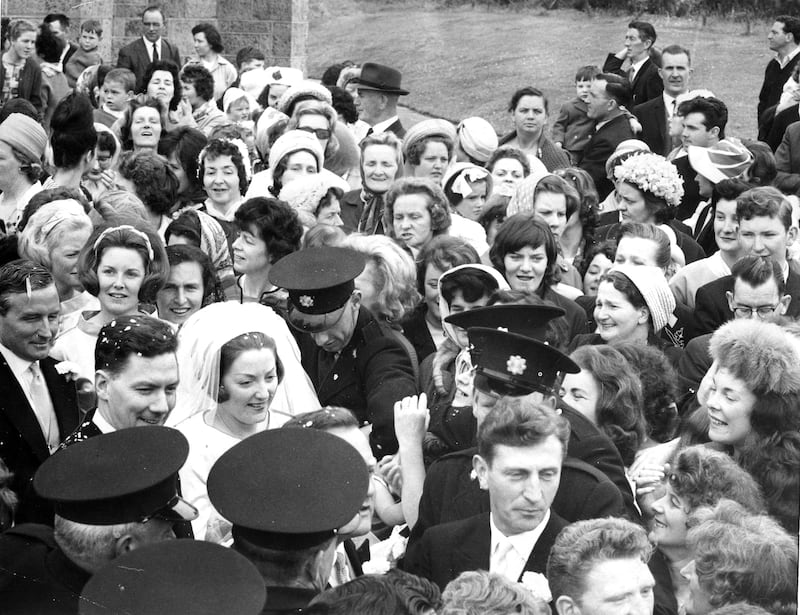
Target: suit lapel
[[474, 553], [64, 404], [19, 411], [537, 562]]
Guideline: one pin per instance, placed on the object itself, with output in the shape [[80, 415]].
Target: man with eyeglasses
[[353, 360], [766, 229], [758, 292]]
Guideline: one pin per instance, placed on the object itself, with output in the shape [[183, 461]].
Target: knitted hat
[[304, 196], [477, 138], [725, 160], [25, 135], [293, 141], [308, 89], [234, 94], [254, 81], [625, 148], [428, 128], [763, 354], [653, 286]]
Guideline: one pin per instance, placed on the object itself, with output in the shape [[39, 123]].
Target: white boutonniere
[[537, 585], [69, 369]]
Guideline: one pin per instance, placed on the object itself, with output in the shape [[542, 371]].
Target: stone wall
[[278, 27]]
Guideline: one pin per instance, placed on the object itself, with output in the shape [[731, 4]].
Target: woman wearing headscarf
[[22, 145]]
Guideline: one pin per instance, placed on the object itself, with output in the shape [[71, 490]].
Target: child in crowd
[[573, 128], [116, 91], [54, 85], [87, 53]]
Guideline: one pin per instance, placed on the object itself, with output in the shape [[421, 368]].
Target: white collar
[[668, 100], [149, 46], [523, 543], [384, 125], [785, 270], [17, 364], [787, 57], [635, 66], [101, 423]]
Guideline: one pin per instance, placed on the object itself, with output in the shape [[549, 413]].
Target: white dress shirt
[[512, 565], [149, 46]]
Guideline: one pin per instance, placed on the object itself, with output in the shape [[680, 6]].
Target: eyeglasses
[[763, 311], [321, 133], [298, 320]]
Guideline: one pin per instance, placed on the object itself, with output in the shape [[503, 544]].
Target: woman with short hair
[[416, 211], [26, 79], [528, 109], [526, 253], [738, 557], [53, 238], [208, 47], [381, 164], [197, 87]]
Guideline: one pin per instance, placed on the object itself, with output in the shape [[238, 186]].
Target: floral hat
[[654, 174]]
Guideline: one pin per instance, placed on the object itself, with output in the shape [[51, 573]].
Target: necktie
[[505, 560], [369, 131], [341, 570], [43, 406], [155, 53]]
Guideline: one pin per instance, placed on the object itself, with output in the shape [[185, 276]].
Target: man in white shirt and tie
[[521, 447], [641, 71], [151, 47], [38, 406], [655, 114]]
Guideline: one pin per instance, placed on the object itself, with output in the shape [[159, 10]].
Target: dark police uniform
[[294, 506], [374, 370], [176, 577], [123, 477]]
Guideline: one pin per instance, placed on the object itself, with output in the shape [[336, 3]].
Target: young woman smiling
[[122, 266]]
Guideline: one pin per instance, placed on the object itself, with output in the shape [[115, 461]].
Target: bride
[[237, 363]]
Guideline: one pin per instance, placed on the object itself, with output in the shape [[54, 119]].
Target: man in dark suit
[[521, 446], [704, 121], [765, 230], [608, 94], [450, 491], [139, 54], [784, 38], [38, 406], [351, 359], [655, 114], [787, 157], [132, 353], [642, 72], [58, 24], [378, 91], [112, 494]]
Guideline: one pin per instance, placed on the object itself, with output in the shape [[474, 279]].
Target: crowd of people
[[362, 367]]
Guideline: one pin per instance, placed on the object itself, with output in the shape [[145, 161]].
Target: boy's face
[[115, 95], [582, 88], [460, 304], [89, 40]]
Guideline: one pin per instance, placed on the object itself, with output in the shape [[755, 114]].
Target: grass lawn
[[459, 62]]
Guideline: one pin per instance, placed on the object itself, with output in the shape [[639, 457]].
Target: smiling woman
[[122, 267], [237, 365]]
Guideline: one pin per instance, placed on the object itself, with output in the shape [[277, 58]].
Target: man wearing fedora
[[378, 91]]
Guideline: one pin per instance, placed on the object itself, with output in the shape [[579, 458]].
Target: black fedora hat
[[380, 78]]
